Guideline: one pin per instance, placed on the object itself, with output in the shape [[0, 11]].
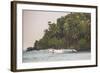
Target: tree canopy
[[71, 31]]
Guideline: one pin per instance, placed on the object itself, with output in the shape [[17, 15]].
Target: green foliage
[[82, 42], [70, 31]]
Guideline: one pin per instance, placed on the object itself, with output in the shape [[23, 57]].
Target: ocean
[[46, 56]]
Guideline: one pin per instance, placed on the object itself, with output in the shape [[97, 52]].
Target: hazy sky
[[34, 24]]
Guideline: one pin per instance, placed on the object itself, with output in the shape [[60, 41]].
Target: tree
[[36, 44]]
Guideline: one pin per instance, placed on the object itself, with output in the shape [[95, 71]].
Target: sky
[[34, 23]]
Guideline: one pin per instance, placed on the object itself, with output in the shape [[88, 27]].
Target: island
[[71, 31]]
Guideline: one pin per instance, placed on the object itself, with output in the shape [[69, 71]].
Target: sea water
[[45, 56]]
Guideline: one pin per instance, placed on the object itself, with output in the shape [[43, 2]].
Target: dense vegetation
[[70, 31]]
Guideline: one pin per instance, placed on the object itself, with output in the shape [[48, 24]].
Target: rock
[[29, 49]]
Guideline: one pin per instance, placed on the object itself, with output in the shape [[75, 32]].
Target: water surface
[[44, 55]]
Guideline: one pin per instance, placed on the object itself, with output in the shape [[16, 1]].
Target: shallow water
[[44, 55]]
